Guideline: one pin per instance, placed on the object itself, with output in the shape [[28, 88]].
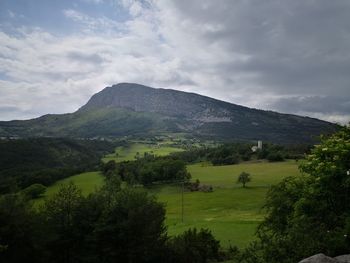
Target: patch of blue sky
[[49, 15], [4, 76]]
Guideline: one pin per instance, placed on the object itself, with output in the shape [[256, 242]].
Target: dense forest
[[148, 170], [45, 160]]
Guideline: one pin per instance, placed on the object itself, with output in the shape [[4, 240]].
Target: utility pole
[[182, 200]]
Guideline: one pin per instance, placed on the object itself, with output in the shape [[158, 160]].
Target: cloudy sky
[[289, 56]]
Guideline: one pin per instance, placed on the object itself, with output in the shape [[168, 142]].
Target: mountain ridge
[[133, 109], [193, 94]]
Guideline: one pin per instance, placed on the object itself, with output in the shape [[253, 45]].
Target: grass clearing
[[231, 212], [87, 183], [128, 153]]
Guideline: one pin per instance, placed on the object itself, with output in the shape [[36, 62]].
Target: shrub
[[275, 157], [194, 247], [34, 191]]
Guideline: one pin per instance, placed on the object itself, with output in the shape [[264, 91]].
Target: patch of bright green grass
[[128, 153], [87, 183], [231, 214], [262, 173]]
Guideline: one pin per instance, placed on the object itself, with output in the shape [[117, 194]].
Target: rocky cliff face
[[168, 102]]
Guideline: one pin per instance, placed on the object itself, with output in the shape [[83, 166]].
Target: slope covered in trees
[[46, 160]]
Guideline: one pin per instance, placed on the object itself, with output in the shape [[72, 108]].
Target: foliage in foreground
[[193, 247], [113, 224], [309, 214]]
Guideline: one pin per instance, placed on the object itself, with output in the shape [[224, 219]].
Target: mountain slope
[[132, 109], [46, 160]]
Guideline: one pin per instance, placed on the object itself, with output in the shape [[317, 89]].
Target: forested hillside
[[46, 160]]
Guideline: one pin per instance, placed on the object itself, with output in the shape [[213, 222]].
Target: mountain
[[133, 109]]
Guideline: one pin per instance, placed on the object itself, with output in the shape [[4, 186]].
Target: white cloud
[[248, 52], [44, 70]]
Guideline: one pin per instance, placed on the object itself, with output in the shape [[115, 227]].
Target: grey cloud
[[314, 104], [86, 58], [8, 109], [292, 48], [289, 56]]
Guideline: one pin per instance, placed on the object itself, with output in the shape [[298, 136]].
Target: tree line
[[147, 170], [233, 153]]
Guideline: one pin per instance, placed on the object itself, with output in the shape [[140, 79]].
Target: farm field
[[128, 153], [230, 211]]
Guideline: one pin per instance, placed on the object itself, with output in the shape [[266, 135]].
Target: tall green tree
[[130, 229], [20, 237], [311, 213], [194, 247], [60, 214], [244, 178]]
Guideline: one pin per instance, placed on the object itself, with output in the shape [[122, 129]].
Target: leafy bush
[[244, 178], [194, 246], [34, 191], [275, 157]]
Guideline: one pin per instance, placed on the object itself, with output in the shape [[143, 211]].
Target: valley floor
[[231, 212]]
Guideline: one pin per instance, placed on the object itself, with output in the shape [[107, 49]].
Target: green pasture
[[230, 211], [123, 153], [264, 173], [87, 183]]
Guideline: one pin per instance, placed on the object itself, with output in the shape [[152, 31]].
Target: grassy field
[[87, 183], [231, 212], [129, 153]]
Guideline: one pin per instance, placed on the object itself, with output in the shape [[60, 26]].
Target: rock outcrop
[[321, 258]]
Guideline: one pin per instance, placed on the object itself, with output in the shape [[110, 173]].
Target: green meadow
[[123, 153], [231, 212]]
